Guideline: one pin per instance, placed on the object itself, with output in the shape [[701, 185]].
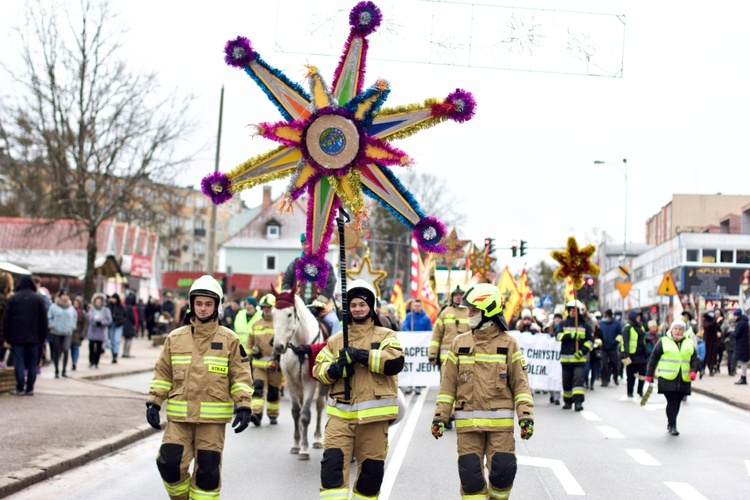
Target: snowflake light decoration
[[334, 143]]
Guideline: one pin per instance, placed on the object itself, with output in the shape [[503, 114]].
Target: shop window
[[743, 256], [726, 256], [709, 256], [692, 256]]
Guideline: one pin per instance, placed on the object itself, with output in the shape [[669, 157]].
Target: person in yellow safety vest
[[676, 363], [358, 425], [202, 374], [266, 375], [485, 377], [245, 318], [635, 357], [451, 321], [576, 341]]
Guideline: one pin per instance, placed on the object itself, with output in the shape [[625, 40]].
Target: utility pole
[[211, 267]]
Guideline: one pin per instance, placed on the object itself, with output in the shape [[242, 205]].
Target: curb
[[53, 464], [724, 399], [104, 376]]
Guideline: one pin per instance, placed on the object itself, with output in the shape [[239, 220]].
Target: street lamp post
[[625, 222]]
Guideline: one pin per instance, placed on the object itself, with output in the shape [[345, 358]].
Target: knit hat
[[526, 314], [738, 312], [678, 322], [252, 300], [652, 323]]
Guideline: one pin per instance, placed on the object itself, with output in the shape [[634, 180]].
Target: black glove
[[316, 311], [152, 415], [438, 426], [363, 356], [242, 419], [99, 324], [303, 349], [257, 353], [347, 355], [527, 427], [336, 371]]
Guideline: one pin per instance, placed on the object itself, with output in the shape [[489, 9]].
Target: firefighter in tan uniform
[[202, 373], [451, 321], [485, 376], [359, 425], [266, 374]]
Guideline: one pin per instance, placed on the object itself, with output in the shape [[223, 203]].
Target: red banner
[[141, 266]]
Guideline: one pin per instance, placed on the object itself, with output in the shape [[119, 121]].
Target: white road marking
[[395, 461], [655, 406], [568, 482], [685, 491], [610, 432], [590, 415], [635, 399], [642, 457], [747, 464]]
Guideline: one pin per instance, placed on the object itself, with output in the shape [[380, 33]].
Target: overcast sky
[[523, 168]]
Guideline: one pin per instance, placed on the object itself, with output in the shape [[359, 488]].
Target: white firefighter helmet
[[362, 287], [575, 303], [206, 286]]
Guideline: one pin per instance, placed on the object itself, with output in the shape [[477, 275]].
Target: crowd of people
[[608, 348], [39, 329]]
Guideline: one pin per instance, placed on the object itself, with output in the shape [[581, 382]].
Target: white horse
[[295, 325]]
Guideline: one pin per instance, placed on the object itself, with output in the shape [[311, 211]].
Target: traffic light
[[514, 248], [489, 245], [223, 282], [523, 248]]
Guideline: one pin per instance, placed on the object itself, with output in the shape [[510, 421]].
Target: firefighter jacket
[[201, 374], [261, 336], [451, 321], [242, 324], [373, 388], [576, 342], [485, 376]]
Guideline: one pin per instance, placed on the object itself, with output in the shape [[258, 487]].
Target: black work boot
[[255, 419], [741, 381]]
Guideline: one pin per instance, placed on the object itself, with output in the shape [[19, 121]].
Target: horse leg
[[305, 417], [320, 404], [295, 417]]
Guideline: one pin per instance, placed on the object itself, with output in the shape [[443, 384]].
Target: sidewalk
[[71, 421]]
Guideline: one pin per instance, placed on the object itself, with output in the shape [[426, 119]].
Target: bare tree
[[392, 249], [93, 128]]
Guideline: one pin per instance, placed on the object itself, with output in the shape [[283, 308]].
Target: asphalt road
[[614, 449]]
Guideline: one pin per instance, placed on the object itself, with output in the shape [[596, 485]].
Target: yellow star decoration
[[480, 263], [574, 263], [369, 275], [454, 248]]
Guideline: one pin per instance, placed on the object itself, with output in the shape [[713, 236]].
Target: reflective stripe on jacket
[[201, 374], [451, 322], [675, 359], [261, 335], [373, 394], [574, 338], [485, 376]]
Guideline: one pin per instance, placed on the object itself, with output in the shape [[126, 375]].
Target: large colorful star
[[454, 248], [575, 263], [333, 143]]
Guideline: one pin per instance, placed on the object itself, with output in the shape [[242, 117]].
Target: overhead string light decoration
[[335, 143]]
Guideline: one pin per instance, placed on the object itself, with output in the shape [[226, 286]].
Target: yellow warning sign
[[624, 287], [667, 285]]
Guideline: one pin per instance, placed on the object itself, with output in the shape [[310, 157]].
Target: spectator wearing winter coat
[[99, 318], [6, 287], [141, 318], [611, 329], [153, 309], [416, 319], [742, 344], [119, 317], [62, 318], [78, 334], [25, 329], [711, 337], [130, 327]]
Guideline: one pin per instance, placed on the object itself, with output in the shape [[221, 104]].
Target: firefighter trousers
[[572, 382], [182, 443], [369, 444], [496, 451], [267, 388]]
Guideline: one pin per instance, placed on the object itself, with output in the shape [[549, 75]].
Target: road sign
[[667, 285], [624, 287]]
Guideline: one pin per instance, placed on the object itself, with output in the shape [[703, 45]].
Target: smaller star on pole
[[367, 273], [454, 248], [575, 263]]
